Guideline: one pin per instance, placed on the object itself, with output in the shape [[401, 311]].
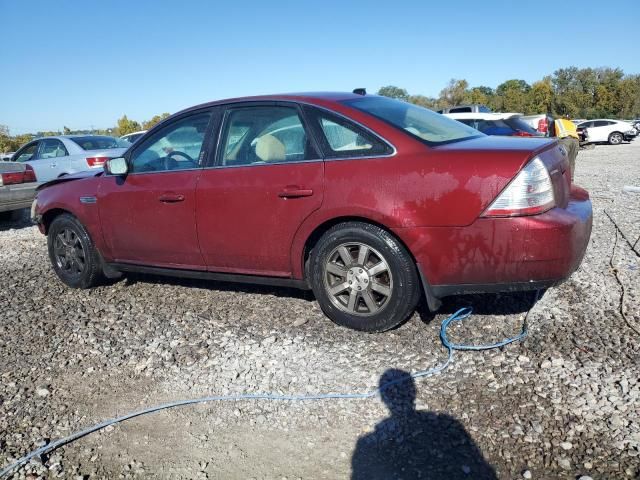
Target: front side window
[[264, 134], [176, 147], [421, 123], [52, 148], [27, 153]]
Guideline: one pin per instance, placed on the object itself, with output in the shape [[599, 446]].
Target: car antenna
[[360, 91]]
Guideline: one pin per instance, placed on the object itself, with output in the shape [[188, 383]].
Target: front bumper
[[503, 254], [18, 196]]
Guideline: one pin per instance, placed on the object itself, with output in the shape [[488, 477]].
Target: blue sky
[[87, 63]]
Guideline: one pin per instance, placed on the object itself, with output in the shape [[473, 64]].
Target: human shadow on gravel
[[510, 303], [416, 444]]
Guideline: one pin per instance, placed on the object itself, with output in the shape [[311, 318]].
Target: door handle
[[295, 192], [171, 198]]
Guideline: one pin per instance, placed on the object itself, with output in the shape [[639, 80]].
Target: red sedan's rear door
[[267, 179]]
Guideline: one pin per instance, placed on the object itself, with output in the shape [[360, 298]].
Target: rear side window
[[342, 138], [264, 134]]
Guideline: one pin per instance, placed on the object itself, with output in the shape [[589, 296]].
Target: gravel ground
[[561, 404]]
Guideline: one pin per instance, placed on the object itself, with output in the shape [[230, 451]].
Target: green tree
[[394, 92], [66, 131], [513, 95], [541, 97], [423, 101], [154, 121], [481, 95], [453, 94], [126, 126]]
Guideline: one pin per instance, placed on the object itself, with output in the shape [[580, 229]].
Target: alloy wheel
[[70, 255], [358, 279]]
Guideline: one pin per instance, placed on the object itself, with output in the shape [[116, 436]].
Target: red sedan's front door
[[268, 178], [148, 216], [149, 219]]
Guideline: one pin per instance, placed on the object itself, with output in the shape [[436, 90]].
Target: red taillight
[[543, 125], [29, 174], [520, 133], [529, 193], [96, 161], [11, 178]]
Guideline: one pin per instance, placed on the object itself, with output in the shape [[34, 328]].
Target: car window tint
[[99, 142], [176, 147], [52, 148], [460, 110], [342, 138], [26, 153], [422, 123], [600, 123], [264, 134]]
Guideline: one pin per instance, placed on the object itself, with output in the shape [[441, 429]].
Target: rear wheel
[[615, 138], [363, 277], [72, 253]]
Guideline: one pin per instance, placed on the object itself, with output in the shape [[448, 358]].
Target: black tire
[[615, 138], [399, 277], [80, 266]]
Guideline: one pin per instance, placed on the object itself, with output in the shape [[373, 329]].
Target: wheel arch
[[315, 235], [50, 215]]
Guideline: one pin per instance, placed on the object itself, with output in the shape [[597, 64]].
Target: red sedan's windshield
[[430, 127]]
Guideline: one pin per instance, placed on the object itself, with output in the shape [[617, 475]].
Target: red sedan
[[371, 202]]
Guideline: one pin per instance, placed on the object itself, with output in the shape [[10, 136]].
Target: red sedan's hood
[[69, 178]]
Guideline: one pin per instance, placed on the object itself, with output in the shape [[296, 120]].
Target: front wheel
[[72, 253], [363, 277], [615, 138]]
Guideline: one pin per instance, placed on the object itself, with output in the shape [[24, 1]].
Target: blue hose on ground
[[459, 316]]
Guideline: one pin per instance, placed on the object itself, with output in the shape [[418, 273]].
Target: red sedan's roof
[[308, 97]]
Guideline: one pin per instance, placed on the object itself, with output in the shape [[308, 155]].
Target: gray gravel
[[562, 404]]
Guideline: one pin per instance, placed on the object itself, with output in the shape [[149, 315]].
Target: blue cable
[[459, 316]]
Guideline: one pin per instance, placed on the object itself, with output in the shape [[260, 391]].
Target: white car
[[133, 137], [609, 131], [504, 124], [5, 157], [53, 157]]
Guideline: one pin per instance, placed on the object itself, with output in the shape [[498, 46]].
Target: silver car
[[53, 157], [17, 187]]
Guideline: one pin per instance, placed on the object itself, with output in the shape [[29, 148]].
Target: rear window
[[422, 123], [95, 142], [520, 125]]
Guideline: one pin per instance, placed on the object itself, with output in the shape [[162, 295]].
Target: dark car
[[369, 201], [502, 124]]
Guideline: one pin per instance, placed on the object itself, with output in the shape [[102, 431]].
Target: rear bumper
[[503, 254], [18, 196]]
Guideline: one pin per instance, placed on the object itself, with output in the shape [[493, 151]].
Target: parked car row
[[515, 124]]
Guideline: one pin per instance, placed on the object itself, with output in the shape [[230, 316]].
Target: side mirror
[[116, 166]]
